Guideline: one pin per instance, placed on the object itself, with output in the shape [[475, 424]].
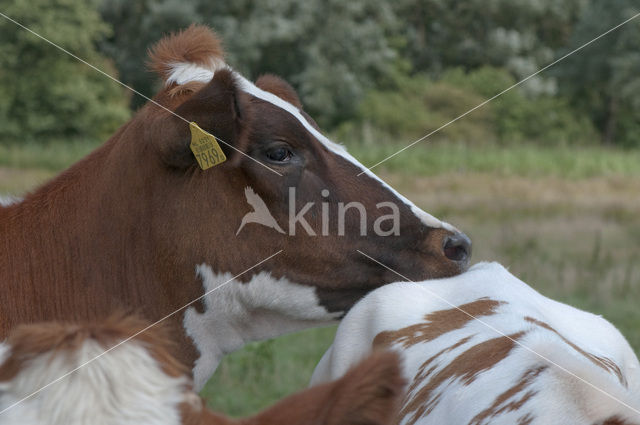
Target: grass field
[[425, 159], [565, 221]]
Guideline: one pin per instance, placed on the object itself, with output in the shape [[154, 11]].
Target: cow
[[141, 224], [485, 348], [45, 380]]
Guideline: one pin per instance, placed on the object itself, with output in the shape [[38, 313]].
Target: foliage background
[[365, 67]]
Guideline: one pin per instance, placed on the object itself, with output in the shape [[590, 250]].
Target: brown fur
[[436, 324], [61, 339], [124, 228], [430, 365], [526, 419], [615, 421], [602, 362], [185, 89], [466, 367], [197, 44], [368, 394], [427, 384], [280, 88], [500, 404]]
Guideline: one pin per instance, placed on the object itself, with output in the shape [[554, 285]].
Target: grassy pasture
[[425, 159], [565, 221]]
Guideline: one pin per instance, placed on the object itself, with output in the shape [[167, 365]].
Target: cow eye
[[279, 154]]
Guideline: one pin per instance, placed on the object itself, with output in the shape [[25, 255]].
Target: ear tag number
[[205, 148]]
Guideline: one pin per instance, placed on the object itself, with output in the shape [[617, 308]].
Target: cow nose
[[457, 248]]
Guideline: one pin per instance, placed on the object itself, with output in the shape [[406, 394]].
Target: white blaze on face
[[237, 313], [125, 386], [189, 72]]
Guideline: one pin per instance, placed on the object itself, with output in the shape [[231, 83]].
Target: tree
[[518, 35], [45, 93], [332, 51], [604, 79], [335, 52], [137, 25]]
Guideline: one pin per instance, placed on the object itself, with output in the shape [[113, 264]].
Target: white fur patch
[[6, 200], [125, 387], [189, 72], [239, 313], [556, 395], [182, 73]]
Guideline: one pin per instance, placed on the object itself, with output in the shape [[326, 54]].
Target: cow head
[[285, 186]]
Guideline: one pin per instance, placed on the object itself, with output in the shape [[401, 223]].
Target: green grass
[[429, 159], [565, 221], [52, 156], [424, 159], [19, 180], [261, 373]]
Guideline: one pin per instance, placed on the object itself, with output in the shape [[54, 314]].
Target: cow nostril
[[457, 247]]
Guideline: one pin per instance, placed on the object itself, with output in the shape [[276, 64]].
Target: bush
[[419, 105], [517, 117], [416, 107], [45, 93], [628, 128]]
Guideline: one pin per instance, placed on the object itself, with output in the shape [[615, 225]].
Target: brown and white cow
[[138, 225], [526, 359], [138, 382]]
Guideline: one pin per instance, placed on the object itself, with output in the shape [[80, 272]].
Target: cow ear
[[220, 108], [280, 88]]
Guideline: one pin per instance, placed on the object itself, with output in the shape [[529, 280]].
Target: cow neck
[[241, 312]]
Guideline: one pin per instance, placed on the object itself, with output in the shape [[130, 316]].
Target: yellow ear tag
[[205, 147]]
